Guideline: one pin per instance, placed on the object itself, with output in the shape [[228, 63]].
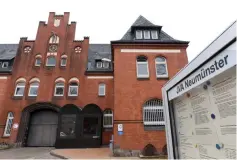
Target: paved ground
[[86, 153], [27, 153]]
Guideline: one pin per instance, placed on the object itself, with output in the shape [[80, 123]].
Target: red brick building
[[67, 93]]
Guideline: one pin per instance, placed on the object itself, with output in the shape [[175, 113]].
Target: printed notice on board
[[206, 119]]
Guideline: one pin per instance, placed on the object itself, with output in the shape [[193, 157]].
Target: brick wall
[[131, 93]]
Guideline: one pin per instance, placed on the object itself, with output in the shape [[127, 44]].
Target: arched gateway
[[79, 128], [38, 125], [46, 124]]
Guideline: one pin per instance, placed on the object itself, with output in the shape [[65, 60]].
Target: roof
[[98, 52], [143, 22], [8, 51]]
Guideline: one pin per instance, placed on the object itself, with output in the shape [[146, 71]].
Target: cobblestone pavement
[[27, 153]]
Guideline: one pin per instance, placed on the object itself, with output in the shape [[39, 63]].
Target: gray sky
[[197, 21]]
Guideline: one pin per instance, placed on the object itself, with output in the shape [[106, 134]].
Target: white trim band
[[150, 50], [3, 77], [100, 77]]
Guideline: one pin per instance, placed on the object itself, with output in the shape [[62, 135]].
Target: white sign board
[[206, 119], [120, 127], [220, 63]]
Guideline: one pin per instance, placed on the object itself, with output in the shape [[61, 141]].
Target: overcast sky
[[197, 21]]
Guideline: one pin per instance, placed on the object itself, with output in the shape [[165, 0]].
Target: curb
[[57, 155]]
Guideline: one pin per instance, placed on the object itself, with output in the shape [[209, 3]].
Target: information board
[[206, 119]]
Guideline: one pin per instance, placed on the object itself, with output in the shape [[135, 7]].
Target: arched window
[[51, 61], [20, 88], [37, 61], [9, 122], [59, 89], [63, 60], [73, 89], [101, 91], [142, 67], [54, 39], [161, 67], [33, 90], [108, 118], [153, 112]]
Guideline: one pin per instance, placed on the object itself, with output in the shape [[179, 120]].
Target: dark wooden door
[[92, 130], [42, 128]]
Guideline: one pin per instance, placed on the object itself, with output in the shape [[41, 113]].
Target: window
[[33, 91], [51, 61], [108, 119], [138, 34], [142, 67], [20, 88], [8, 127], [73, 89], [161, 67], [68, 125], [105, 64], [146, 34], [99, 64], [54, 39], [63, 61], [78, 49], [101, 89], [154, 35], [27, 49], [59, 89], [153, 112], [37, 61], [5, 64]]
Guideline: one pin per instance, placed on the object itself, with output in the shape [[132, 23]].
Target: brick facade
[[130, 93], [125, 93]]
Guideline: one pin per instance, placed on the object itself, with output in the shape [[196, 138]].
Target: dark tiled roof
[[8, 51], [143, 22], [97, 52]]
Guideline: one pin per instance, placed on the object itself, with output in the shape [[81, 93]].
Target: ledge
[[17, 97], [143, 79]]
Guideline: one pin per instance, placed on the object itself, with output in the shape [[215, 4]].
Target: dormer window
[[99, 64], [138, 34], [4, 64], [105, 64], [146, 34], [154, 35]]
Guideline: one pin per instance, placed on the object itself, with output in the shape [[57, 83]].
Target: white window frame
[[103, 86], [72, 86], [58, 85], [19, 85], [137, 33], [107, 115], [37, 59], [107, 65], [165, 62], [154, 105], [5, 63], [148, 36], [33, 85], [50, 65], [154, 32], [143, 75], [63, 58], [8, 125], [99, 66]]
